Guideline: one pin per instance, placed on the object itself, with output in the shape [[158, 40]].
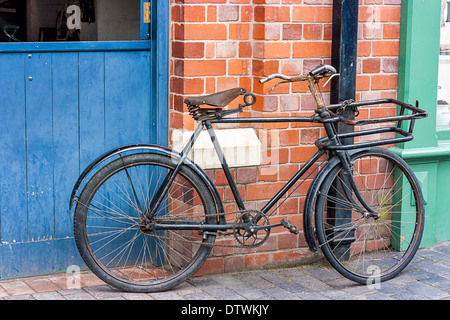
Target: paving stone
[[76, 294], [338, 295], [443, 247], [103, 292], [426, 290], [433, 255], [256, 281], [376, 296], [312, 296], [249, 292], [323, 274], [198, 296], [228, 281], [167, 295], [42, 285], [280, 294], [136, 296], [311, 283], [17, 288], [52, 295], [427, 277], [21, 297]]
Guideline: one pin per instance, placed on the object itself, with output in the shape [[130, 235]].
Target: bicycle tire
[[112, 240], [363, 248]]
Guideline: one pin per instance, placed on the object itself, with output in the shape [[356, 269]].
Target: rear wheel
[[369, 246], [125, 250]]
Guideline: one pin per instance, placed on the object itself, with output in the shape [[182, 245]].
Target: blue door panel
[[124, 97], [60, 108], [13, 161], [92, 106], [39, 126], [65, 109], [66, 164]]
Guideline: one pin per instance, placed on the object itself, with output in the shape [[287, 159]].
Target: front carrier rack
[[406, 112]]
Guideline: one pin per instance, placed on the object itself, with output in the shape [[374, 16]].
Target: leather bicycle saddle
[[219, 99]]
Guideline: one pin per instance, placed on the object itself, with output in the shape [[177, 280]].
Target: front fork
[[349, 184]]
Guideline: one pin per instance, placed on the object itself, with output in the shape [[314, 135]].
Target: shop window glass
[[69, 20], [443, 104]]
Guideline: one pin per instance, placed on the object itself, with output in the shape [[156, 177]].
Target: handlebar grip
[[323, 70]]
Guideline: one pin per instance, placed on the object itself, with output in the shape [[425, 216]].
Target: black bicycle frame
[[330, 143], [198, 225]]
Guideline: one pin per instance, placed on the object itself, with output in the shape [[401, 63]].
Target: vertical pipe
[[344, 59]]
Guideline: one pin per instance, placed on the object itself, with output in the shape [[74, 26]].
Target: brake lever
[[276, 85], [329, 79]]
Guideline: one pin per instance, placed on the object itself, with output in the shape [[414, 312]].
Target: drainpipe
[[344, 59]]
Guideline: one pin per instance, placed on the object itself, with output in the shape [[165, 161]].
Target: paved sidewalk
[[426, 278]]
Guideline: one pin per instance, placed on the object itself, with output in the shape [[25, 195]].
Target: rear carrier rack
[[406, 112]]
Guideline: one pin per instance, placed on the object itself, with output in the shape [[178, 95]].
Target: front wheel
[[120, 246], [369, 246]]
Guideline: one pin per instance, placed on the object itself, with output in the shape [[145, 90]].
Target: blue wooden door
[[61, 106]]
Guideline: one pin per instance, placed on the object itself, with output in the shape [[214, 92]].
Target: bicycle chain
[[239, 213]]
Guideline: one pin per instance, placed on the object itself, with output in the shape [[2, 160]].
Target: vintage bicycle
[[147, 217]]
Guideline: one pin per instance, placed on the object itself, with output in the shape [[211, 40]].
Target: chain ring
[[245, 229]]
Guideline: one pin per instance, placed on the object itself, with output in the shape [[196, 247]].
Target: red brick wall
[[221, 44]]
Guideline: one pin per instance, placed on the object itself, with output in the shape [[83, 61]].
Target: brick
[[303, 13], [239, 31], [246, 175], [229, 13], [383, 82], [371, 65], [193, 13], [391, 31], [373, 31], [287, 241], [323, 14], [289, 206], [211, 265], [262, 190], [188, 49], [311, 49], [313, 31], [256, 260], [272, 13], [245, 50], [292, 31], [386, 14], [277, 50], [207, 31], [309, 136], [226, 49], [204, 68], [385, 48], [289, 103], [289, 137], [302, 153]]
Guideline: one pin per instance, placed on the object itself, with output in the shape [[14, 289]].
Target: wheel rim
[[368, 246]]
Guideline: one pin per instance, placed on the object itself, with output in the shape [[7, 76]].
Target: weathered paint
[[62, 105]]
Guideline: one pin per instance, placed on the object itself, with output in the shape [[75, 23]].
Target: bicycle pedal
[[292, 229]]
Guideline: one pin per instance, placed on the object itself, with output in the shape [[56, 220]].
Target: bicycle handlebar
[[318, 73], [284, 77]]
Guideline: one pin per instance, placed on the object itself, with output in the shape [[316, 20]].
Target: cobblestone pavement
[[426, 278]]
